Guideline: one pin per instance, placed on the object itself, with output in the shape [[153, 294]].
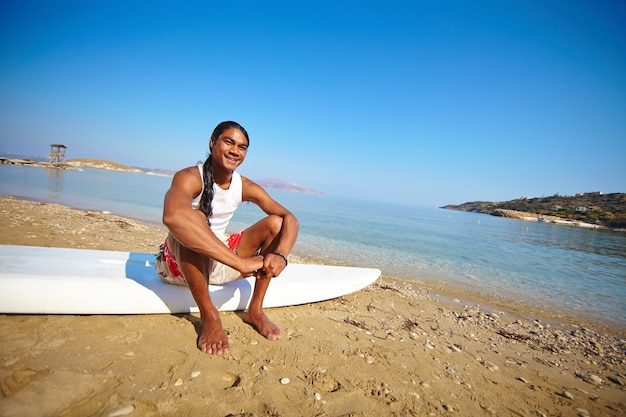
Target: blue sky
[[423, 102]]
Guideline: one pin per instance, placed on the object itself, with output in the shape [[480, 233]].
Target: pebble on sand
[[122, 411]]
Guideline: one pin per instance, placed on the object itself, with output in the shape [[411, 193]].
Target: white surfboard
[[36, 280]]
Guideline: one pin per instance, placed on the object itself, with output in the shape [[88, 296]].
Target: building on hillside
[[57, 153]]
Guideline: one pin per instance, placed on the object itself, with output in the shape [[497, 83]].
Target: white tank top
[[225, 202]]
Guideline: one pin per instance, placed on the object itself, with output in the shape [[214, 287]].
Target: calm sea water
[[567, 269]]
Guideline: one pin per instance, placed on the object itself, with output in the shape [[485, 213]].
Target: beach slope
[[394, 348]]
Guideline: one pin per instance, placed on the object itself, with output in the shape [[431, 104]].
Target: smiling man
[[197, 209]]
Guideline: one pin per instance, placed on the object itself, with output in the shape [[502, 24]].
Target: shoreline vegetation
[[590, 210], [397, 347]]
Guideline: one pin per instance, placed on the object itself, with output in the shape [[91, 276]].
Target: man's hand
[[273, 265], [250, 266]]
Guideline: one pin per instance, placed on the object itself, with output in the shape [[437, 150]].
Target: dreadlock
[[206, 199]]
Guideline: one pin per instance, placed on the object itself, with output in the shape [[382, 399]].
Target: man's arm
[[289, 233], [190, 227]]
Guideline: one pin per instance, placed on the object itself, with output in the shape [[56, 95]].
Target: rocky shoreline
[[533, 217], [590, 210]]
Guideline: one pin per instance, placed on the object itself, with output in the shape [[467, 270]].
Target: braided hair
[[207, 169]]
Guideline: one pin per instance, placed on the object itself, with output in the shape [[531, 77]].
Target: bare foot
[[262, 324], [213, 340]]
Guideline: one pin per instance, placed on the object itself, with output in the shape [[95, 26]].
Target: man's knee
[[275, 224]]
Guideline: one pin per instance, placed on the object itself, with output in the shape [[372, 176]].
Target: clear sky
[[426, 102]]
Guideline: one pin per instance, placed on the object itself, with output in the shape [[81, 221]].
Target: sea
[[565, 270]]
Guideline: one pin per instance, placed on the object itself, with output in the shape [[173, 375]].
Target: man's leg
[[263, 234], [195, 268]]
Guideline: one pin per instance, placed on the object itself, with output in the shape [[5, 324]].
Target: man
[[197, 209]]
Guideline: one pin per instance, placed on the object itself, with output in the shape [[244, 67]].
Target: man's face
[[229, 149]]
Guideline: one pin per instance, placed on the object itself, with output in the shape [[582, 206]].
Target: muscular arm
[[190, 228], [256, 194]]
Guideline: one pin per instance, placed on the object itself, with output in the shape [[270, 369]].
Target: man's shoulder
[[251, 189], [194, 170], [188, 174], [247, 182]]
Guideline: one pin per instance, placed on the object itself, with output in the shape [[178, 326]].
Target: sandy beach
[[395, 348]]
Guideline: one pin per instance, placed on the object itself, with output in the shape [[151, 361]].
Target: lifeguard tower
[[57, 153]]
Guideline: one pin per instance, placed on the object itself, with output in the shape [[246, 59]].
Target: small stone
[[582, 412], [285, 381], [448, 407], [566, 394], [594, 379], [590, 379], [491, 366], [520, 378], [370, 359], [178, 382], [318, 397], [195, 373], [122, 411], [429, 345], [454, 348], [615, 380]]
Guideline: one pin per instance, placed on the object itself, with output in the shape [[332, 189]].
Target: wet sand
[[394, 348]]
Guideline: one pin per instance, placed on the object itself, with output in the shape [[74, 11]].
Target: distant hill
[[596, 208], [279, 184], [101, 164], [157, 171]]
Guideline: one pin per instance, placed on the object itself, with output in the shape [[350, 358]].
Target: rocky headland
[[593, 210]]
